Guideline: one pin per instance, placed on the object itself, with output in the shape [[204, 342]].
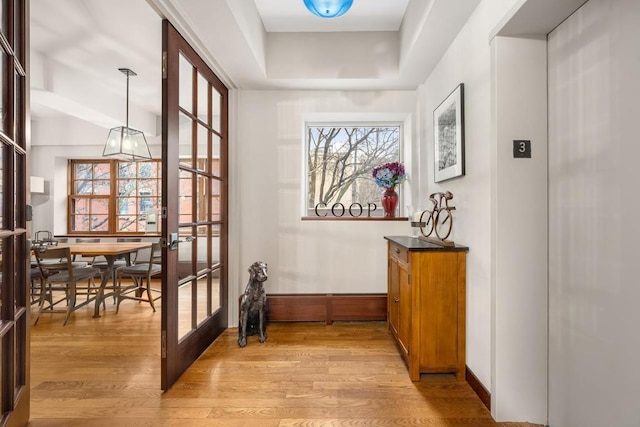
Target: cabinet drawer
[[398, 252]]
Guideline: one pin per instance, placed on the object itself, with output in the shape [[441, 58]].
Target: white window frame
[[401, 120]]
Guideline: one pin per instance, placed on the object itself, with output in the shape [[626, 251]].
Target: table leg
[[109, 274]]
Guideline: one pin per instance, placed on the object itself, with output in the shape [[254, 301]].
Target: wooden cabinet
[[399, 298], [426, 305]]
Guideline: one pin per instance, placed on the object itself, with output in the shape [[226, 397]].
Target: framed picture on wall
[[448, 136]]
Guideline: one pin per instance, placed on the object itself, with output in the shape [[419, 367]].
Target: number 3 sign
[[521, 148]]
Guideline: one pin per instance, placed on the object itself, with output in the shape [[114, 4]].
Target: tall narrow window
[[138, 195], [89, 203]]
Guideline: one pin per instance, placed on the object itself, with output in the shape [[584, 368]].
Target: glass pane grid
[[216, 104], [202, 148], [340, 162], [185, 309], [203, 99], [185, 72], [137, 184], [185, 140]]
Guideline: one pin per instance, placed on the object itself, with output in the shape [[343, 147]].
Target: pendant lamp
[[328, 8], [123, 141]]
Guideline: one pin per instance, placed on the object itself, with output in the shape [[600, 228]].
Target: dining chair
[[38, 276], [140, 275], [53, 262], [120, 261], [37, 284], [87, 261], [44, 237], [66, 280]]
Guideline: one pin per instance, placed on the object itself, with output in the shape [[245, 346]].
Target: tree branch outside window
[[340, 161]]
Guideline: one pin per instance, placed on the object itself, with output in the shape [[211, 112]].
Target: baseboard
[[326, 307], [478, 388]]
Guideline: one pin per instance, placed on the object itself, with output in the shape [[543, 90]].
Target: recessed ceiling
[[365, 15], [77, 47]]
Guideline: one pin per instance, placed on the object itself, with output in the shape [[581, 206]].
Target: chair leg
[[34, 296], [149, 294], [138, 289], [104, 303], [92, 288], [44, 290], [118, 294], [37, 288], [138, 281], [70, 308], [115, 285], [45, 296]]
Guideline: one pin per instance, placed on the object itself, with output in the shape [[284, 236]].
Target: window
[[340, 160], [111, 196]]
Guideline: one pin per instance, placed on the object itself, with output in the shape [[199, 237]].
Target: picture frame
[[448, 136]]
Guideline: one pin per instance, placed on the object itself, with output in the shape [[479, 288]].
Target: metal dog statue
[[252, 306]]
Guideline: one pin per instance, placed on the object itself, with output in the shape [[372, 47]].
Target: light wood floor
[[106, 372]]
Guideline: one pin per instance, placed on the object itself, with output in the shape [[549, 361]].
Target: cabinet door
[[439, 311], [393, 296], [404, 303]]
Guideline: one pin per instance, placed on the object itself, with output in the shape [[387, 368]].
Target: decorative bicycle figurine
[[439, 219]]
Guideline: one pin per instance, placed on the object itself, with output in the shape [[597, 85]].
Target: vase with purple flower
[[388, 176]]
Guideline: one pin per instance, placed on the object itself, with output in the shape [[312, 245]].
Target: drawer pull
[[396, 299], [397, 250]]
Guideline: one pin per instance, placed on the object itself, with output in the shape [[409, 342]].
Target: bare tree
[[339, 158]]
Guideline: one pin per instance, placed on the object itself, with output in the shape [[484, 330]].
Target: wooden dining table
[[110, 251]]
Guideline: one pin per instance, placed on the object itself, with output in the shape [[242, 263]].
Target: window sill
[[352, 218]]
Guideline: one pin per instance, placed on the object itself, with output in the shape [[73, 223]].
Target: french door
[[14, 264], [194, 194]]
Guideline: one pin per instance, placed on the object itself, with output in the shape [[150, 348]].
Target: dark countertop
[[415, 244]]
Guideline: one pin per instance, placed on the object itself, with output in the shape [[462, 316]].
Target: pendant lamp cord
[[127, 118], [127, 72]]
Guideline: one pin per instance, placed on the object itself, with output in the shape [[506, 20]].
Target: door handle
[[174, 241], [396, 299]]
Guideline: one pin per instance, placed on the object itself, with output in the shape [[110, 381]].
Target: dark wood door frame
[[14, 247], [178, 355]]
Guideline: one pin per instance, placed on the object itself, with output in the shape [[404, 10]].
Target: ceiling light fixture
[[328, 8], [123, 141]]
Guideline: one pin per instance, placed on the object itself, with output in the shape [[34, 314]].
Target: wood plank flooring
[[106, 372]]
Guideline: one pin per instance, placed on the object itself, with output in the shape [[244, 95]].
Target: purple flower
[[389, 175]]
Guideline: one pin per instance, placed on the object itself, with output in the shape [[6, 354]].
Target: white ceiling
[[78, 45], [364, 15]]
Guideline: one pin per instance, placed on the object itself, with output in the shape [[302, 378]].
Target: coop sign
[[339, 210]]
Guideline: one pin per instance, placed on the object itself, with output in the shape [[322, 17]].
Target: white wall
[[468, 61], [519, 230], [303, 256], [265, 181], [594, 208]]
